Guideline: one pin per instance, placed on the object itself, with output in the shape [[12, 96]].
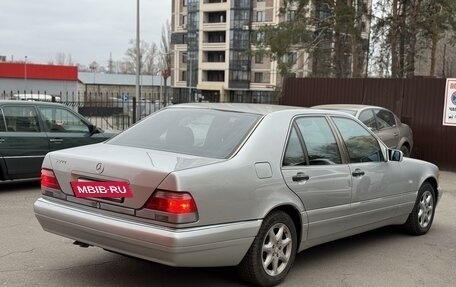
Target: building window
[[184, 57], [184, 3], [258, 59], [291, 15], [259, 36], [290, 58], [215, 76], [184, 20], [260, 16], [258, 77], [183, 76]]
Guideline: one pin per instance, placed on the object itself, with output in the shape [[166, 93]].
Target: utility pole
[[138, 96]]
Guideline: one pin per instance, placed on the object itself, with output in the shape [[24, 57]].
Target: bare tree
[[165, 50], [165, 53], [131, 56], [61, 59]]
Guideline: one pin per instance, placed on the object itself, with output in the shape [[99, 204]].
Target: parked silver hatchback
[[234, 185], [384, 123]]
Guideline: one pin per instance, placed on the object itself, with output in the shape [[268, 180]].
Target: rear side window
[[21, 119], [320, 145], [319, 141], [200, 132], [294, 153], [2, 122], [385, 119], [368, 118], [362, 146]]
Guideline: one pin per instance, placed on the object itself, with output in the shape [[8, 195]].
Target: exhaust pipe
[[81, 244]]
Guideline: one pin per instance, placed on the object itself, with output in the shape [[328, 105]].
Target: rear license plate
[[110, 190]]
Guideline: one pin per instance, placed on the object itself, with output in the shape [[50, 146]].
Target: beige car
[[384, 123]]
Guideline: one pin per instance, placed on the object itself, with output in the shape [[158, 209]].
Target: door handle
[[56, 140], [2, 140], [300, 176], [358, 172], [395, 134]]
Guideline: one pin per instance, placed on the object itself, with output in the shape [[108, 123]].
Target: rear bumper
[[215, 245]]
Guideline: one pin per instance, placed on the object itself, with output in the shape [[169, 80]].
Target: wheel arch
[[295, 215], [406, 143], [3, 173], [433, 181]]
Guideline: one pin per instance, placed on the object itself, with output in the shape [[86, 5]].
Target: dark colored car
[[29, 130]]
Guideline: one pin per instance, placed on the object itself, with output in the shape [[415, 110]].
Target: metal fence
[[418, 102], [107, 111]]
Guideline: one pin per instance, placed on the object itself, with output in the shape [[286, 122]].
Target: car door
[[23, 144], [388, 131], [65, 128], [377, 183], [314, 170]]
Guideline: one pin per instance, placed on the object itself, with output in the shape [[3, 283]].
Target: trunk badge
[[99, 167]]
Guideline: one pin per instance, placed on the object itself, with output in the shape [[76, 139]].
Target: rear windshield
[[200, 132]]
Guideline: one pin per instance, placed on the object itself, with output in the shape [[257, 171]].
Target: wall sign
[[449, 111]]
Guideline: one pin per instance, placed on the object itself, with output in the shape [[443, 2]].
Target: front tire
[[420, 219], [272, 253], [405, 150]]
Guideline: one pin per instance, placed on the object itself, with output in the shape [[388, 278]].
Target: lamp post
[[190, 80], [138, 96]]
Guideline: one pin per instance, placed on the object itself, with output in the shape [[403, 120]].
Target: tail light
[[48, 179], [170, 206]]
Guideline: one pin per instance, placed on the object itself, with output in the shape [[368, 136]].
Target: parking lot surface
[[384, 257]]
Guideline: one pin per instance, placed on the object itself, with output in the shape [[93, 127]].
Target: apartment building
[[211, 40]]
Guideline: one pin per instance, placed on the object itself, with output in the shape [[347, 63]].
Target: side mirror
[[93, 129], [395, 155]]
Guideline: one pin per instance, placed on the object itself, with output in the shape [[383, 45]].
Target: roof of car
[[353, 107], [28, 102], [262, 109]]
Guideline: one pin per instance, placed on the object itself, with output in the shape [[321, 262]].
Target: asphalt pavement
[[384, 257]]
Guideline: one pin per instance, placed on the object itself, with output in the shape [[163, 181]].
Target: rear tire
[[420, 219], [272, 253]]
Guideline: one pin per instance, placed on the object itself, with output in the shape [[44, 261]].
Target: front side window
[[362, 146], [21, 119], [319, 140], [200, 132], [58, 120], [385, 119]]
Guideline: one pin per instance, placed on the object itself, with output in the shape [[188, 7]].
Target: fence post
[[134, 110]]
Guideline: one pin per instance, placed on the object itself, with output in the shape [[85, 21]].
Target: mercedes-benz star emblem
[[99, 167]]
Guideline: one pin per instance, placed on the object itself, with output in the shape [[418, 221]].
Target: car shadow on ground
[[15, 185], [123, 270]]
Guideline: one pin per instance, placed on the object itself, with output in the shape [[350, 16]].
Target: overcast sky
[[88, 30]]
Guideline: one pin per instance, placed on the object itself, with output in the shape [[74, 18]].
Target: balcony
[[215, 20], [215, 5]]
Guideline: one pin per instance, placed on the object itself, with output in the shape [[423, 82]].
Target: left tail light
[[48, 179], [50, 185], [170, 206]]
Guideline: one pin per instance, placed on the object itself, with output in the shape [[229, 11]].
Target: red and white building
[[20, 78]]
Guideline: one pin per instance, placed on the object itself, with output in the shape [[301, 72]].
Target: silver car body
[[233, 195], [396, 135]]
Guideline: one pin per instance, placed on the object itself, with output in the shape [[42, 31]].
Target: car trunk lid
[[142, 169]]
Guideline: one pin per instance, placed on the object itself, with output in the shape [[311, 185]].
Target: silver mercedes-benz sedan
[[234, 185]]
